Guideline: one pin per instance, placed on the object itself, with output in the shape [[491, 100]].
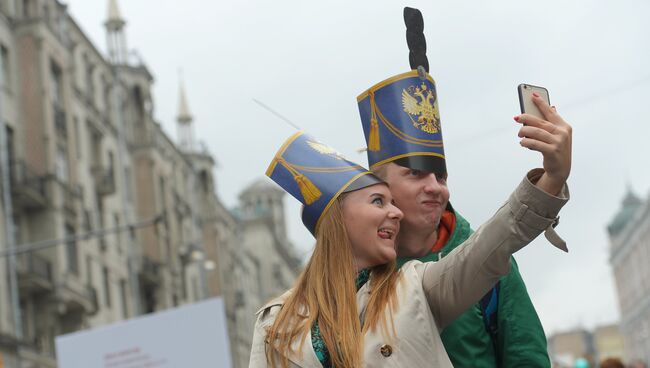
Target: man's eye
[[415, 172], [378, 201]]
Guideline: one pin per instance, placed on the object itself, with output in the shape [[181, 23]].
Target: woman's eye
[[378, 201]]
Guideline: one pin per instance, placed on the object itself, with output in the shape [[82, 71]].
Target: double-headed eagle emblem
[[325, 149], [426, 109]]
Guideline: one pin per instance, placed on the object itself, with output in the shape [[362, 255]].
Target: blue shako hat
[[316, 174], [400, 116]]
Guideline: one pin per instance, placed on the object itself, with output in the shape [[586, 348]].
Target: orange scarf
[[445, 229]]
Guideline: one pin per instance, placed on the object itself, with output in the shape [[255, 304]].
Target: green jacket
[[521, 340]]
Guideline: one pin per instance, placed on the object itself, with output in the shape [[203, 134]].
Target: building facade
[[603, 342], [103, 216], [629, 234], [265, 263]]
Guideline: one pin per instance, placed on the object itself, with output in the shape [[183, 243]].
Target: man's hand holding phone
[[550, 135]]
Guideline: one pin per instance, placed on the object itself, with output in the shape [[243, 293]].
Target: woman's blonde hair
[[325, 292]]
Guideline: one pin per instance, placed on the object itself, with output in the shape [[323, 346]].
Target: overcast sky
[[309, 60]]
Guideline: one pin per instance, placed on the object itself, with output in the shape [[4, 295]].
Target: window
[[161, 188], [77, 137], [90, 85], [195, 288], [71, 251], [95, 141], [10, 145], [107, 287], [89, 270], [100, 213], [118, 233], [6, 83], [129, 189], [139, 104], [28, 8], [183, 281], [125, 308], [111, 161], [55, 85], [61, 165], [107, 96], [88, 221]]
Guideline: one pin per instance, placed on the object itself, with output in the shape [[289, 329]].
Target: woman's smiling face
[[372, 223]]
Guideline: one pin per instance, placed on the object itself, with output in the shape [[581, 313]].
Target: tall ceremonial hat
[[400, 116], [316, 175]]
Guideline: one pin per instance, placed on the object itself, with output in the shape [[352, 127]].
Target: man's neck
[[415, 244]]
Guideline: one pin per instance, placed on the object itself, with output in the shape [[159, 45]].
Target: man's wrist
[[549, 184]]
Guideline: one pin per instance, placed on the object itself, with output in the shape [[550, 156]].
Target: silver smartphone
[[526, 103]]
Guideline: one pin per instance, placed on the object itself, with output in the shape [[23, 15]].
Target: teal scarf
[[317, 339]]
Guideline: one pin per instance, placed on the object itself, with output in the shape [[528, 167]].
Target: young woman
[[350, 307]]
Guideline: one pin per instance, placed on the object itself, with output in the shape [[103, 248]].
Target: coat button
[[386, 350]]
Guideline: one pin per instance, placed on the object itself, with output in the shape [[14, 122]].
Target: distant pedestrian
[[638, 364], [612, 363]]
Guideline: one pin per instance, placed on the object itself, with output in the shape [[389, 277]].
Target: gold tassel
[[309, 191], [373, 140]]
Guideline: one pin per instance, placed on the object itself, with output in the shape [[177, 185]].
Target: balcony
[[150, 272], [104, 180], [34, 274], [76, 296], [70, 197], [28, 188]]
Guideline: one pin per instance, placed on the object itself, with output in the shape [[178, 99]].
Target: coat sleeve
[[461, 278], [258, 349], [521, 339]]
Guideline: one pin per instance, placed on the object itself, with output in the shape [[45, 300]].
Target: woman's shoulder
[[412, 266], [414, 269], [272, 306]]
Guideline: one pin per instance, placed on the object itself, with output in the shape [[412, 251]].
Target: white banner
[[192, 336]]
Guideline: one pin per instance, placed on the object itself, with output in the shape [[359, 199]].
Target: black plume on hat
[[415, 38]]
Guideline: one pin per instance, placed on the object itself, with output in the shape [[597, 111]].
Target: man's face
[[422, 196]]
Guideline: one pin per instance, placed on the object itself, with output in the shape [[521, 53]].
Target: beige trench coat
[[431, 295]]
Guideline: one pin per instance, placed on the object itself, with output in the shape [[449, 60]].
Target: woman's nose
[[395, 212]]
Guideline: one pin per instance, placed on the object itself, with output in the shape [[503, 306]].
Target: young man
[[405, 148]]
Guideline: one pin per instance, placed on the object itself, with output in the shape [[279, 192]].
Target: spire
[[184, 115], [631, 199], [115, 34], [184, 122], [114, 20], [629, 207]]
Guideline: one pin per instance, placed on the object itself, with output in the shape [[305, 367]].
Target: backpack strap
[[489, 304]]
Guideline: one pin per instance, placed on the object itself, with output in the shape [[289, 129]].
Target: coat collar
[[305, 358]]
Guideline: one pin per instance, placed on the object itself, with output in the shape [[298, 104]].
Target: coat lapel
[[307, 357]]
